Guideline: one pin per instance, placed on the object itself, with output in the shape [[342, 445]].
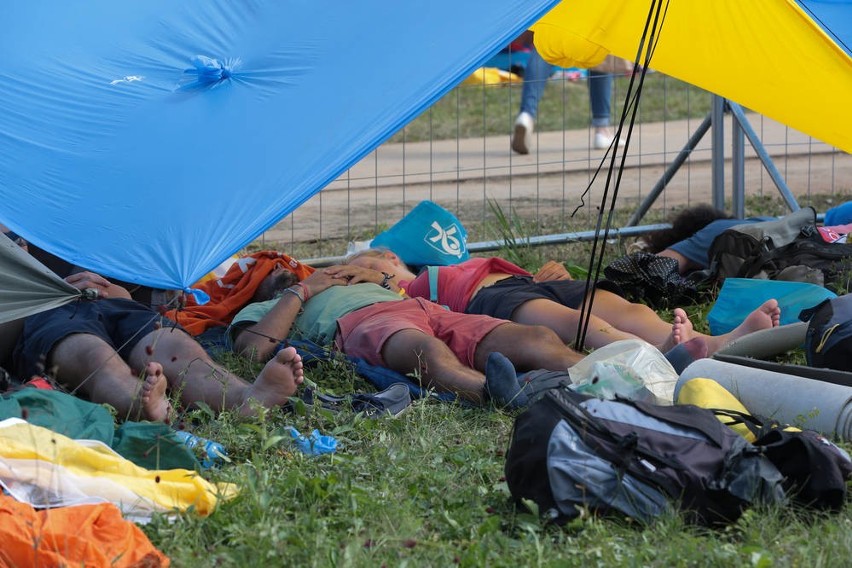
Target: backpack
[[828, 341], [571, 451], [815, 470], [789, 248]]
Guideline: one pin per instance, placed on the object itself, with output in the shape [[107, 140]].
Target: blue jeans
[[538, 72]]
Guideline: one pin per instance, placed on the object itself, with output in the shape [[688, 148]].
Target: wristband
[[305, 291], [385, 283], [295, 291]]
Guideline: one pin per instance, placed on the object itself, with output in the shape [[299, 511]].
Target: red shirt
[[456, 283]]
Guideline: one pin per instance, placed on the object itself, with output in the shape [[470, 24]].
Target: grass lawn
[[427, 489], [473, 111]]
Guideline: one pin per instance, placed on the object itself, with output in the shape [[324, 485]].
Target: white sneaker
[[522, 135], [604, 140]]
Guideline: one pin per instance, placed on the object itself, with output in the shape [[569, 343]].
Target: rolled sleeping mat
[[816, 373], [816, 405], [768, 342]]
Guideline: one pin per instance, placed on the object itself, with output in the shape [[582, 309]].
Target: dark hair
[[684, 225], [273, 285]]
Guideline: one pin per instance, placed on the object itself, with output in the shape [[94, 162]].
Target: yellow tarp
[[767, 55]]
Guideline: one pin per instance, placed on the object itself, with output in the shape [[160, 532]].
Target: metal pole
[[541, 240], [737, 170], [718, 152], [670, 172], [739, 116]]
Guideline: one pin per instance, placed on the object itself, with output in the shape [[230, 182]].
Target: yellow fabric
[[175, 489], [767, 55], [491, 76], [707, 393]]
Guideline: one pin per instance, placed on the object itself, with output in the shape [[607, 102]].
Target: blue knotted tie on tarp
[[208, 72]]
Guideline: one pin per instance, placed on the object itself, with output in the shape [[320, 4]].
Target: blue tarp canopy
[[149, 141]]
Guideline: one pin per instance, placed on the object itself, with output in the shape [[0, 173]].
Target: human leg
[[438, 367], [553, 304], [87, 364], [600, 101], [197, 378], [528, 347], [75, 342], [644, 322], [600, 98], [632, 318], [536, 75], [417, 336], [564, 321], [684, 354], [765, 316], [413, 351]]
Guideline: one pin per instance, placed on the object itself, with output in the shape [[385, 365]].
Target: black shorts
[[500, 300], [119, 322]]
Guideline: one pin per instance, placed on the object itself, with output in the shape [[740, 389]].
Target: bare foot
[[277, 382], [684, 354], [682, 331], [155, 403], [766, 316]]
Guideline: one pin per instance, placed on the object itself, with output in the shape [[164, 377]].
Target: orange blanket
[[229, 294], [82, 535]]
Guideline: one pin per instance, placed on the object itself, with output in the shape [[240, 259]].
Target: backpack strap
[[433, 283], [756, 426]]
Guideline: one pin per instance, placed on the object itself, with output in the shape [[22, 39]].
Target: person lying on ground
[[498, 288], [117, 351], [693, 231], [363, 315]]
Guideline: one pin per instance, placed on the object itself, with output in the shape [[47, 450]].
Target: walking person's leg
[[600, 101], [536, 75]]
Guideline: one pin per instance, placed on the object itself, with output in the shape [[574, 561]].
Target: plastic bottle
[[214, 452]]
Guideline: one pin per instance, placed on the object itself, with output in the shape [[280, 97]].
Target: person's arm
[[90, 281], [552, 270], [359, 274], [262, 338]]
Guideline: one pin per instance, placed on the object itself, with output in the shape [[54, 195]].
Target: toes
[[153, 369], [288, 355]]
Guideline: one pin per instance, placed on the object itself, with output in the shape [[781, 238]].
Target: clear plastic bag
[[630, 368]]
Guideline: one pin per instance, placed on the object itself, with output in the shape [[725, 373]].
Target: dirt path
[[463, 174]]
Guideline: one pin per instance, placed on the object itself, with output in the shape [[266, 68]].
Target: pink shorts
[[363, 333]]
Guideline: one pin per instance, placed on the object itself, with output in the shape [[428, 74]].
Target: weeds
[[427, 489]]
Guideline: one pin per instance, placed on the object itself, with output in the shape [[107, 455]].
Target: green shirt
[[318, 320]]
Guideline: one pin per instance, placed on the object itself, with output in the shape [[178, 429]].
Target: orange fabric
[[83, 535], [229, 294]]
